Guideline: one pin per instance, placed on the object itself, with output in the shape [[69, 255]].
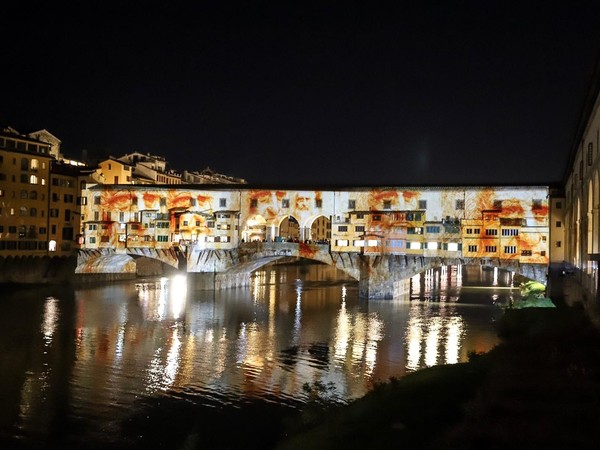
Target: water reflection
[[109, 346]]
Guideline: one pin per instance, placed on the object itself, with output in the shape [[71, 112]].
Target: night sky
[[298, 93]]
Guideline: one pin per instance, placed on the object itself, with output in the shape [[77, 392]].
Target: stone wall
[[37, 269]]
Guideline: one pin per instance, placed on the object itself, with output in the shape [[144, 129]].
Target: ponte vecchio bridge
[[380, 236]]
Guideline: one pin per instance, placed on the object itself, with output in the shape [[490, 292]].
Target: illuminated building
[[501, 222], [209, 176], [38, 197], [149, 168], [580, 205]]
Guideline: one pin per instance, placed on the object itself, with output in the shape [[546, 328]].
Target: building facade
[[507, 223], [582, 194], [39, 213]]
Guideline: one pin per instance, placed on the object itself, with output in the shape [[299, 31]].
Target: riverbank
[[539, 389], [37, 270]]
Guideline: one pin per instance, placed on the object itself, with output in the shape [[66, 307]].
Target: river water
[[78, 362]]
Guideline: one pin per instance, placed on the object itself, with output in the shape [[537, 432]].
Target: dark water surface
[[81, 367]]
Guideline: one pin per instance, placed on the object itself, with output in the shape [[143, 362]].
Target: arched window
[[24, 194], [52, 246], [33, 179], [32, 212], [34, 164], [23, 211], [33, 195]]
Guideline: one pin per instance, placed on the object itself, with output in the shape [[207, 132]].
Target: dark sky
[[301, 93]]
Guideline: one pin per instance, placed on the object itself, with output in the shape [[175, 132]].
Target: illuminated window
[[415, 245], [452, 246], [52, 245], [34, 164], [33, 179], [432, 246]]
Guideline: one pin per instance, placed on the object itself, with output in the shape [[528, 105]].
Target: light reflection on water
[[295, 325]]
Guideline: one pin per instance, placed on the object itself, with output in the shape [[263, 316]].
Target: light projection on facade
[[508, 223]]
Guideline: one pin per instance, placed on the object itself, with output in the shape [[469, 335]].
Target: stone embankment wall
[[37, 269]]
